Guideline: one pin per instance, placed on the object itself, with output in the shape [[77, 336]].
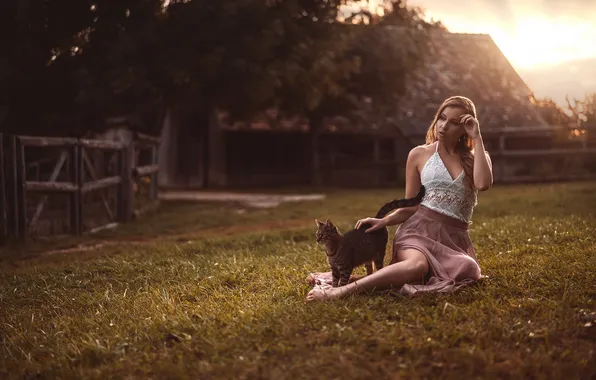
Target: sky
[[531, 33], [550, 43]]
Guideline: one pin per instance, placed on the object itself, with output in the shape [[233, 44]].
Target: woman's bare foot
[[322, 293], [312, 278], [328, 292]]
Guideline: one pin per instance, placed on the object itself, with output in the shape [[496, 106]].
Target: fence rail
[[505, 159], [3, 208], [81, 178]]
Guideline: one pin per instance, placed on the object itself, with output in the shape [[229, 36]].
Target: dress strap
[[437, 146]]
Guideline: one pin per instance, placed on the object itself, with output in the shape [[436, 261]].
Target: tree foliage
[[73, 63], [583, 111], [551, 112]]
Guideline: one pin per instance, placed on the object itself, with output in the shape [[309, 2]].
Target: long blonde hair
[[465, 145]]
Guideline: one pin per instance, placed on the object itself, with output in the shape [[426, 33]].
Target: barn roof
[[471, 65]]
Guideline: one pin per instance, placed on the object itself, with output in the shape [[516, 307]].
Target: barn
[[273, 150]]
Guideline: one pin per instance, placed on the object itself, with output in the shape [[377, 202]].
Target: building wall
[[260, 159], [264, 158], [182, 152]]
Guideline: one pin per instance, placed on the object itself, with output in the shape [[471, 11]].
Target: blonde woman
[[432, 250]]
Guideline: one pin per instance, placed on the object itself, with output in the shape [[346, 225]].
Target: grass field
[[204, 291]]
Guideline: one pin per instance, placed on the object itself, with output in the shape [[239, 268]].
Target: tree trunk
[[377, 160], [216, 153]]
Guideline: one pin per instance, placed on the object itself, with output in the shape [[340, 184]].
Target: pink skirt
[[445, 241]]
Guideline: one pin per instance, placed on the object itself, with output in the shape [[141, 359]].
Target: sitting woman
[[432, 250]]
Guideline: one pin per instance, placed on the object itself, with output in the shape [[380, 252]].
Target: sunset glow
[[551, 44], [527, 37], [538, 41]]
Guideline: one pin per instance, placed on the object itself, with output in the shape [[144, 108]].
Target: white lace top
[[444, 194]]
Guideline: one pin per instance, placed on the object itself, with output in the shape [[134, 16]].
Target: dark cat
[[356, 247]]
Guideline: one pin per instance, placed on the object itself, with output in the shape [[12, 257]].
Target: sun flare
[[537, 42]]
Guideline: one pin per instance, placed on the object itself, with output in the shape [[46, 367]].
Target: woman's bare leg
[[412, 266], [356, 277]]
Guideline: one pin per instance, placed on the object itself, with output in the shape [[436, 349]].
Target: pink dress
[[439, 229]]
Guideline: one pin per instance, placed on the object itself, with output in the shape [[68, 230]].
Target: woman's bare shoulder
[[421, 153]]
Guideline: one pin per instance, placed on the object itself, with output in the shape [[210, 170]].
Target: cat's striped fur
[[356, 247]]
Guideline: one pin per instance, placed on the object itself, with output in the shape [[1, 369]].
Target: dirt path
[[249, 199], [86, 250]]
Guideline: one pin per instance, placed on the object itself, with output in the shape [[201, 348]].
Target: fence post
[[154, 161], [396, 161], [11, 188], [21, 187], [3, 224], [126, 189], [80, 182], [75, 201], [120, 189], [377, 160], [502, 164]]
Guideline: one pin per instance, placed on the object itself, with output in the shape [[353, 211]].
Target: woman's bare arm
[[413, 184], [483, 169]]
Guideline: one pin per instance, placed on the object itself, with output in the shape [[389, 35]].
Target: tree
[[583, 111], [74, 62], [551, 112], [122, 65], [222, 54], [332, 67], [89, 59], [30, 31]]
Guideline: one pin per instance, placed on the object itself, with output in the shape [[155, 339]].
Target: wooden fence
[[79, 178], [515, 153], [519, 154]]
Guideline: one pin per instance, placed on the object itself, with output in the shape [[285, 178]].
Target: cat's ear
[[329, 224], [319, 223]]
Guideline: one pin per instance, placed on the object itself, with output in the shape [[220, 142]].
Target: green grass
[[205, 291]]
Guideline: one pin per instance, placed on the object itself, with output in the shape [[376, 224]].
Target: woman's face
[[448, 126]]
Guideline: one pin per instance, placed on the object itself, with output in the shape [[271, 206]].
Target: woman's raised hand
[[374, 222], [471, 125]]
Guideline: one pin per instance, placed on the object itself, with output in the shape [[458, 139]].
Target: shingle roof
[[473, 66]]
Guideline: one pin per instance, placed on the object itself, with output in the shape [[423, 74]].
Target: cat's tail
[[401, 203]]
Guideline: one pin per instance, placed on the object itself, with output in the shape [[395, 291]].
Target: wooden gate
[[74, 174]]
